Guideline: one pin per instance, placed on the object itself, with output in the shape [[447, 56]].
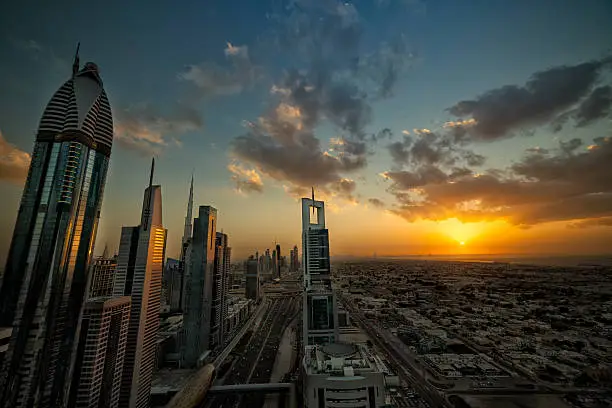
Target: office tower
[[198, 288], [139, 274], [320, 320], [278, 261], [220, 289], [102, 277], [187, 231], [173, 278], [294, 263], [101, 352], [252, 279], [267, 261], [45, 281]]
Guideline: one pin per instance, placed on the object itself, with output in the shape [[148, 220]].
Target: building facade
[[102, 277], [45, 281], [278, 261], [139, 275], [252, 279], [173, 280], [101, 352], [220, 289], [198, 288], [320, 319]]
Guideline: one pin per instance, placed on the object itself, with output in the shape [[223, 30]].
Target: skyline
[[239, 109]]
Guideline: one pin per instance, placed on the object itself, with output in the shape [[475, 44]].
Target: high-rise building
[[173, 280], [295, 260], [320, 319], [220, 289], [45, 281], [267, 261], [101, 352], [273, 268], [252, 279], [187, 231], [102, 277], [198, 288], [139, 275], [278, 262]]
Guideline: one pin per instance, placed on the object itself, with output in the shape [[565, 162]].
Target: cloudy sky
[[423, 124]]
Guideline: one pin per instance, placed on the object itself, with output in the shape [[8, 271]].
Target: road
[[403, 363], [254, 359]]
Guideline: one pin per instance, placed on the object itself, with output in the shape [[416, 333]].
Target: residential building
[[139, 275], [101, 353], [45, 280]]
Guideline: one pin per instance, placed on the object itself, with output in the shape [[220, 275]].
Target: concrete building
[[252, 283], [139, 275], [342, 375], [294, 262], [220, 289], [198, 288], [44, 285], [102, 277], [320, 319], [278, 261], [101, 352]]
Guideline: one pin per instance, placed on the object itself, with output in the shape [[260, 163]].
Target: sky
[[428, 127]]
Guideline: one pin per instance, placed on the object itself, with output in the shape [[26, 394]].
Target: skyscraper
[[173, 277], [278, 261], [139, 274], [320, 319], [101, 352], [220, 288], [294, 263], [102, 277], [45, 280], [187, 231], [252, 279], [198, 288]]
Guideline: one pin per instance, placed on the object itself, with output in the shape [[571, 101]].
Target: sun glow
[[462, 243]]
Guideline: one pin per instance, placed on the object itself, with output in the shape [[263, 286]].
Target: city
[[323, 256]]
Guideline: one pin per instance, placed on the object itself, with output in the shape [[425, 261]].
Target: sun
[[462, 243]]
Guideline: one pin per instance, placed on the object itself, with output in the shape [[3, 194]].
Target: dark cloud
[[501, 112], [210, 79], [564, 184], [596, 106], [323, 38], [593, 222], [146, 130], [14, 163], [376, 202]]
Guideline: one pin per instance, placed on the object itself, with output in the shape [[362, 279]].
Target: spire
[[313, 201], [188, 217], [152, 170], [75, 64]]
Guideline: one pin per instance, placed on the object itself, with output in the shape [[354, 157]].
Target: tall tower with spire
[[187, 232], [45, 280], [139, 275]]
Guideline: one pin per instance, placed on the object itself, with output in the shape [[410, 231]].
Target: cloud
[[143, 129], [376, 202], [42, 54], [406, 132], [213, 79], [596, 106], [562, 184], [246, 180], [593, 222], [501, 112], [14, 163]]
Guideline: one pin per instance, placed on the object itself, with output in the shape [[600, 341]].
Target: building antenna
[[75, 64], [313, 201]]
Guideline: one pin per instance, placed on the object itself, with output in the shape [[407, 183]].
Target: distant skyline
[[422, 124]]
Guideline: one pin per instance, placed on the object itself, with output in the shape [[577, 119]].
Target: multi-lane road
[[253, 359], [401, 362]]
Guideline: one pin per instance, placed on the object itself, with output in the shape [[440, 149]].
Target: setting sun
[[462, 243]]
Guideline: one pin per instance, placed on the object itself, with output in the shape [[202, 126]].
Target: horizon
[[486, 144]]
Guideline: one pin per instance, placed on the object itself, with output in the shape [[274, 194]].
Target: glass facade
[[45, 279]]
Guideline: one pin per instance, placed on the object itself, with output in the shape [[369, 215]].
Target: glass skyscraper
[[45, 280]]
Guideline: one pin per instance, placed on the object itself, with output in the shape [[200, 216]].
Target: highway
[[402, 363], [253, 359]]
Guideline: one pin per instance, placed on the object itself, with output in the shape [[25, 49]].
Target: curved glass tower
[[45, 280]]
